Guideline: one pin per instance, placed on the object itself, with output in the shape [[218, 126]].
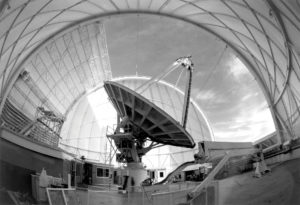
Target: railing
[[137, 194], [170, 198], [208, 196], [110, 130], [133, 195], [197, 191], [44, 135], [163, 194], [199, 194], [16, 121], [60, 196], [13, 119], [173, 193]]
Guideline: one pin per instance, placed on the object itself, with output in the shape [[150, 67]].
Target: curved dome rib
[[264, 33]]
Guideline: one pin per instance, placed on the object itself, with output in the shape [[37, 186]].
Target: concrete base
[[136, 172]]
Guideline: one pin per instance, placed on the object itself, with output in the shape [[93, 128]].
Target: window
[[152, 174], [102, 172], [161, 174], [99, 172]]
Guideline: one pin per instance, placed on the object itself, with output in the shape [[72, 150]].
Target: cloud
[[211, 97], [249, 96], [226, 91], [206, 95], [237, 68], [249, 125], [199, 74]]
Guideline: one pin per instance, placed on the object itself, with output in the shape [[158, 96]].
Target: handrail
[[197, 191], [13, 119], [175, 171]]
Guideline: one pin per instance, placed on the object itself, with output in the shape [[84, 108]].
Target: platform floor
[[280, 187], [112, 198]]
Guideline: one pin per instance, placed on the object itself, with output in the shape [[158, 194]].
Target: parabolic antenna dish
[[152, 120]]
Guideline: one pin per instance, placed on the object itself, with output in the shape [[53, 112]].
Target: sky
[[146, 45]]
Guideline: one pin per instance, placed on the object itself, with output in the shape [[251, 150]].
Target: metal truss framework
[[264, 34], [66, 68], [83, 131], [198, 125]]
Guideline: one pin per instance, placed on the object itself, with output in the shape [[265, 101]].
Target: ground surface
[[280, 187]]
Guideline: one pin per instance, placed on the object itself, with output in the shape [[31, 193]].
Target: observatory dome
[[93, 116], [53, 53]]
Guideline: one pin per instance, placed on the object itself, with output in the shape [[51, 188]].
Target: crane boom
[[187, 96], [143, 121], [188, 64], [157, 78]]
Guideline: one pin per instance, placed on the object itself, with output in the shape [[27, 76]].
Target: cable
[[137, 45], [213, 69], [176, 84]]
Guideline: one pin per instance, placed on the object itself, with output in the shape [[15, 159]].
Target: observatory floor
[[281, 186]]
